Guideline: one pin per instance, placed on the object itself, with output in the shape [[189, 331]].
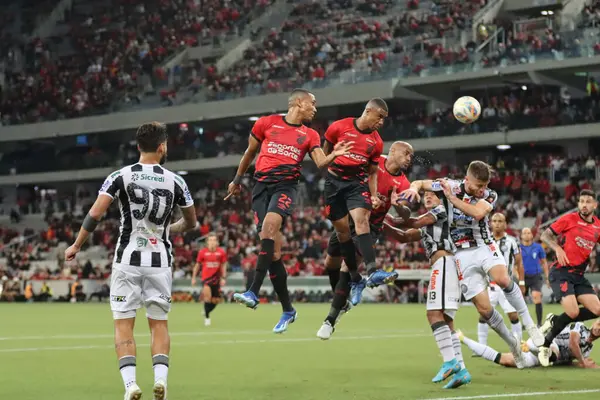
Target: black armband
[[89, 223], [237, 180]]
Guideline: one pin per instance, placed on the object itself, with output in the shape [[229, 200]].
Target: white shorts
[[132, 288], [497, 297], [443, 292], [473, 265]]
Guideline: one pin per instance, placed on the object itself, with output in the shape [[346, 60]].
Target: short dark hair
[[480, 171], [379, 102], [588, 192], [151, 135], [298, 92]]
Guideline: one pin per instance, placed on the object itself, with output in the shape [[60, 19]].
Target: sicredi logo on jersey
[[146, 177]]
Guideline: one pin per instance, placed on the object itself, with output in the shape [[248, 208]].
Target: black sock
[[334, 277], [585, 315], [560, 323], [349, 253], [265, 257], [278, 276], [366, 248], [208, 307], [340, 297], [539, 311]]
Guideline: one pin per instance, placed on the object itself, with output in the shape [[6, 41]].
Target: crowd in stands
[[115, 49], [526, 197]]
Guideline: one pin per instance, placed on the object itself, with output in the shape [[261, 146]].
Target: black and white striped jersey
[[510, 248], [562, 342], [147, 195], [466, 231], [437, 236]]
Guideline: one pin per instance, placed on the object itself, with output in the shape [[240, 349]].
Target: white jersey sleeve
[[112, 185], [183, 197]]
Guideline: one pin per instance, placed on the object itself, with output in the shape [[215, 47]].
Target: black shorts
[[272, 197], [565, 283], [334, 249], [533, 283], [214, 283], [343, 196]]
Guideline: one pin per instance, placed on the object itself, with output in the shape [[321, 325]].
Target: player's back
[[509, 247], [563, 341], [437, 236], [147, 195]]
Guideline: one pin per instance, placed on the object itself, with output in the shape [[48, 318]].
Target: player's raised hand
[[71, 252], [396, 196], [447, 189], [193, 281], [342, 148], [233, 189], [410, 195], [561, 257]]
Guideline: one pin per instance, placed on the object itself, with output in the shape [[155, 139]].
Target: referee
[[536, 270]]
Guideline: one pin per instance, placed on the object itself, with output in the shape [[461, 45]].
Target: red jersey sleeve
[[332, 133], [259, 128], [376, 155], [314, 140], [561, 224], [200, 257]]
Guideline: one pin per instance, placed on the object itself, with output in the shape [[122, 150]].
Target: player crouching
[[443, 293], [574, 343]]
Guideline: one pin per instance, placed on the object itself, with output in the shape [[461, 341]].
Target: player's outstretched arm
[[195, 273], [323, 161], [90, 222], [411, 235], [551, 241], [235, 186], [412, 193], [574, 338], [186, 222], [477, 211]]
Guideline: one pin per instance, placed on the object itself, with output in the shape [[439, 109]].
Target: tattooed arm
[[551, 241]]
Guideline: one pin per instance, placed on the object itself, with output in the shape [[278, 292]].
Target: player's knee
[[269, 231], [573, 313], [361, 224], [157, 312], [503, 281], [514, 318], [482, 320], [332, 262], [435, 316], [485, 311]]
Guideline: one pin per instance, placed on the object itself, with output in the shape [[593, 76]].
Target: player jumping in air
[[141, 272], [390, 182], [283, 142], [536, 272], [443, 293], [477, 255], [351, 189], [574, 343], [512, 256], [213, 261], [572, 237]]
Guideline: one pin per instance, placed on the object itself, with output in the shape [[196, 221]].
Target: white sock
[[458, 350], [482, 332], [497, 323], [127, 368], [443, 338], [481, 350], [515, 298], [160, 364], [517, 329]]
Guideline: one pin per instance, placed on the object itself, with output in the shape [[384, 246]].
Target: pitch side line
[[504, 395], [225, 342]]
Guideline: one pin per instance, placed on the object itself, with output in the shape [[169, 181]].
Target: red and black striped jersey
[[283, 148], [366, 150]]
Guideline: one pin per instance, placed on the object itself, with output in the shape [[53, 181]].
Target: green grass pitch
[[379, 352]]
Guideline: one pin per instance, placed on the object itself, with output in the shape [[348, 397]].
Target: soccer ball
[[466, 109]]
